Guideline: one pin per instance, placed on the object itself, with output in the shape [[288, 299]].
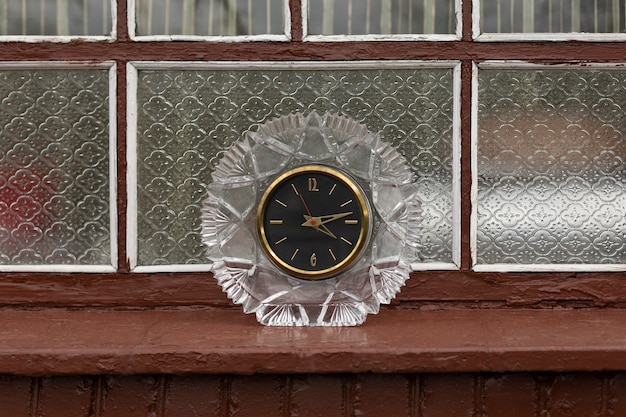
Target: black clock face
[[313, 222]]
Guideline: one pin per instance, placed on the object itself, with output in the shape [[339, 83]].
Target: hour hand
[[316, 223]]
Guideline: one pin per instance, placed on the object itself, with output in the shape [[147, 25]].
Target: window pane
[[552, 166], [55, 18], [186, 119], [552, 16], [54, 167], [210, 17], [384, 17]]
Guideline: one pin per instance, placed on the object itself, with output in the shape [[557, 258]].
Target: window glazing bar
[[430, 8], [189, 12], [385, 17], [575, 16], [329, 12], [63, 20], [529, 16]]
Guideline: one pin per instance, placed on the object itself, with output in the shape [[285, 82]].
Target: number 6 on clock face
[[313, 221]]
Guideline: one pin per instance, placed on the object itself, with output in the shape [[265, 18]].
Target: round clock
[[313, 221]]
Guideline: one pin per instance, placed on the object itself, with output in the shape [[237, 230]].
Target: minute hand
[[321, 220]]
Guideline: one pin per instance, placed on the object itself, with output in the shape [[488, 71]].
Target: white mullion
[[528, 18], [42, 17], [132, 79], [150, 17], [24, 14], [85, 16], [409, 13], [250, 17], [429, 16], [63, 21], [268, 16], [615, 15], [189, 12], [499, 20], [211, 9], [550, 16], [232, 17], [3, 17], [575, 16], [385, 16], [166, 24], [349, 17], [328, 12], [368, 17], [399, 21]]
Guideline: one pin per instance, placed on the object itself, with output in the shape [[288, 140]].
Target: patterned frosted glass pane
[[188, 118], [552, 166], [60, 17], [210, 17], [54, 167], [382, 17], [552, 16]]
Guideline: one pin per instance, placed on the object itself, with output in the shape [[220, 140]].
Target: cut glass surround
[[229, 221], [187, 118], [55, 168], [551, 167]]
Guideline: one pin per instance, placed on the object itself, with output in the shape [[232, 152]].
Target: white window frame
[[132, 31], [518, 267], [69, 38], [113, 186], [381, 37], [537, 36], [132, 135]]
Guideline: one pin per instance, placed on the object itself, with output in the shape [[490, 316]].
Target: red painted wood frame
[[441, 288]]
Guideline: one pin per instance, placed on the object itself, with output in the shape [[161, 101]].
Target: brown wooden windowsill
[[58, 341]]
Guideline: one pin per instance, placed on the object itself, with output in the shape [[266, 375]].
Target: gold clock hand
[[315, 223], [331, 217]]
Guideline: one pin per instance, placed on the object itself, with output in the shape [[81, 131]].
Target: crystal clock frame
[[230, 221]]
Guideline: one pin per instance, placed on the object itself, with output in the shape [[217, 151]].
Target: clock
[[313, 221]]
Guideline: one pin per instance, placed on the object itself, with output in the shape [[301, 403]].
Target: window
[[551, 169], [188, 19], [114, 114], [188, 113], [583, 20], [381, 19], [30, 20]]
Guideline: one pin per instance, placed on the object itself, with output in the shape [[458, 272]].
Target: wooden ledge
[[58, 342]]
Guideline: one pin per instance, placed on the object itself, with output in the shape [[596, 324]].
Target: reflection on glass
[[187, 119], [552, 16], [54, 167], [55, 18], [384, 17], [551, 167], [210, 17]]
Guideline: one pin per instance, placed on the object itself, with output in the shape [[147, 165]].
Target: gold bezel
[[362, 203]]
